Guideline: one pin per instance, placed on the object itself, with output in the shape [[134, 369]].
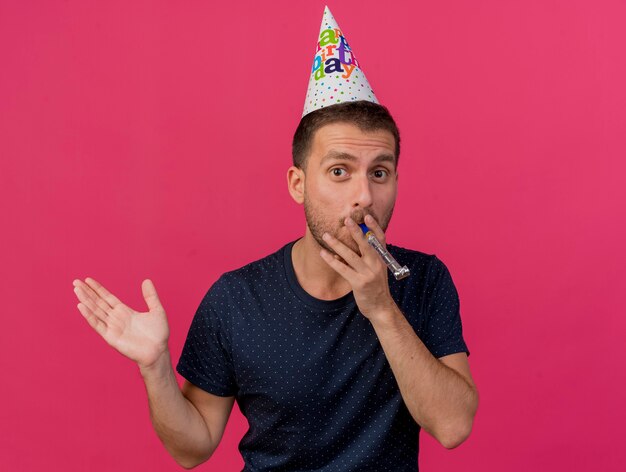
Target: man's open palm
[[141, 337]]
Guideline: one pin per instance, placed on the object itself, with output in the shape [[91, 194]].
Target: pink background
[[151, 139]]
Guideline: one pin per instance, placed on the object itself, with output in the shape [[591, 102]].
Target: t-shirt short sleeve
[[205, 360], [444, 331]]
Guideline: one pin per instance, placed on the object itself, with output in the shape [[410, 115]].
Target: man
[[335, 364]]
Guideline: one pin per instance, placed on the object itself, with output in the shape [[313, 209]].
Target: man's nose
[[362, 193]]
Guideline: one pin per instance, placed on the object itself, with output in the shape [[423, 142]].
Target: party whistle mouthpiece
[[397, 271]]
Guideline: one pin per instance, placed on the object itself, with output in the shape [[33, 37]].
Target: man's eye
[[380, 174], [338, 172]]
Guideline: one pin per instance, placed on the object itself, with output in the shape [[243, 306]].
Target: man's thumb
[[150, 295]]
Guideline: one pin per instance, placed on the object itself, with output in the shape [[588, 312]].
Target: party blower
[[397, 271]]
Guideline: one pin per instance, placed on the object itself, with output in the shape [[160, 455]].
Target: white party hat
[[336, 75]]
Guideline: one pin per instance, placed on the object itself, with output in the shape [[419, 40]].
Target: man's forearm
[[440, 400], [177, 422]]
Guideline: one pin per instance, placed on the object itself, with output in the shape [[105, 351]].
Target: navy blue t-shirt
[[310, 375]]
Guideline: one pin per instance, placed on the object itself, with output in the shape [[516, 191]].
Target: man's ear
[[295, 183]]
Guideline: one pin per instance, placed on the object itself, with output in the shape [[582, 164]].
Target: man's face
[[349, 173]]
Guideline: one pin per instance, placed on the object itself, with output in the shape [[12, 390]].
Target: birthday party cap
[[336, 75]]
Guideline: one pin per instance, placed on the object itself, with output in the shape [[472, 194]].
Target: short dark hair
[[367, 116]]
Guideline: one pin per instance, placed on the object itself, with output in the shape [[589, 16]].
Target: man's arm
[[439, 394], [190, 423]]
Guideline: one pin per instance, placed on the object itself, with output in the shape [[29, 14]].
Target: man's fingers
[[150, 295], [358, 236], [347, 254], [376, 229], [341, 268], [94, 321], [103, 292], [91, 299]]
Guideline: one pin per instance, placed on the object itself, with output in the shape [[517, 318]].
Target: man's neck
[[314, 275]]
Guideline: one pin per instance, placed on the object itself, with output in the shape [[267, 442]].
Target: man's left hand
[[367, 273]]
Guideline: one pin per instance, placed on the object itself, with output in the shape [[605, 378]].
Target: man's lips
[[357, 217]]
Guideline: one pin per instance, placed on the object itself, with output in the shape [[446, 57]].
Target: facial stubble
[[318, 225]]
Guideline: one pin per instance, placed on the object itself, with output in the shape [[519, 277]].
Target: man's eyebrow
[[386, 158], [344, 156], [340, 156]]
